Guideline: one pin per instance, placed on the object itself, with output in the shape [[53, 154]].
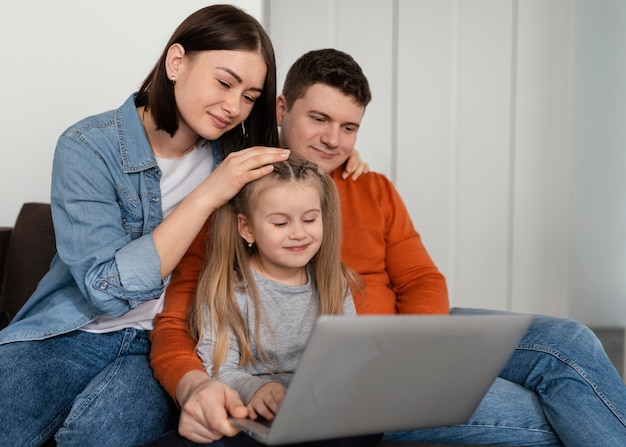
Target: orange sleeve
[[173, 352], [419, 285], [382, 245]]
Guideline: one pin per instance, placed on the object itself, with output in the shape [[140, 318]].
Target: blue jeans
[[558, 388], [84, 389]]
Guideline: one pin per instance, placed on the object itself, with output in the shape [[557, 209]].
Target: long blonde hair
[[227, 269]]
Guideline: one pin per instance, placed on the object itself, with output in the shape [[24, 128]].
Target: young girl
[[273, 267]]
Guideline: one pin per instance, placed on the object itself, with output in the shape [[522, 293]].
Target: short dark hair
[[217, 27], [326, 66]]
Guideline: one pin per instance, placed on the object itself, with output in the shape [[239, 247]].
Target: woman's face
[[216, 90]]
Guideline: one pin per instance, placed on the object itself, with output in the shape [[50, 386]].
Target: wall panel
[[370, 41], [484, 153], [427, 124], [297, 26], [472, 96], [597, 229], [541, 181]]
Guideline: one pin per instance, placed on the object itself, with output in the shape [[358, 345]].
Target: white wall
[[500, 121], [486, 117], [67, 59], [597, 261]]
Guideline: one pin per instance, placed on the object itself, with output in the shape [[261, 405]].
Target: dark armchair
[[26, 250]]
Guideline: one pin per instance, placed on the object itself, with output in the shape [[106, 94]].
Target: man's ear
[[173, 60], [281, 106], [243, 226]]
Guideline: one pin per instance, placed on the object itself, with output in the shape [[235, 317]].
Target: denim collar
[[134, 145]]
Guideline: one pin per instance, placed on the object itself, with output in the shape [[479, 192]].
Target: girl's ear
[[173, 61], [243, 226]]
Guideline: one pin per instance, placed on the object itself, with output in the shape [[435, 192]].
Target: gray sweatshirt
[[289, 315]]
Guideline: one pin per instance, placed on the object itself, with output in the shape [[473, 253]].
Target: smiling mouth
[[219, 122], [324, 153], [298, 248]]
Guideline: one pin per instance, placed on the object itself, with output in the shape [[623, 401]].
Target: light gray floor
[[613, 341]]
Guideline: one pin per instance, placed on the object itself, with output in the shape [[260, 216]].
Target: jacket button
[[155, 199]]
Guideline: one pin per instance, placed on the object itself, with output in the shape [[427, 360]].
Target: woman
[[130, 191]]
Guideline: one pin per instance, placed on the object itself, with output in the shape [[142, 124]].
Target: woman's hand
[[175, 234], [266, 401], [239, 168], [355, 166]]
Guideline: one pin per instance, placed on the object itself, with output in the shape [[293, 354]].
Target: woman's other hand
[[354, 166]]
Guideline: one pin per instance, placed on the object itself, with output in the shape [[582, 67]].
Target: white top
[[179, 177]]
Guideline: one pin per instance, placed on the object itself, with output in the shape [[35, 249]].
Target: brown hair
[[227, 268], [217, 27], [330, 67]]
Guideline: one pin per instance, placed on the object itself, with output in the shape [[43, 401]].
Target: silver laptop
[[373, 374]]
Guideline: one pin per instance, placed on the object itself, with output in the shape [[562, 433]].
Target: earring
[[173, 79], [250, 244]]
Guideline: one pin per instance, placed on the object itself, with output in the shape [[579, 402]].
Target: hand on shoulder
[[355, 166]]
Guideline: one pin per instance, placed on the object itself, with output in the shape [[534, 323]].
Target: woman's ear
[[243, 226], [173, 61]]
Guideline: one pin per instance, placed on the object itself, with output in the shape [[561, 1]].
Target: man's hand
[[266, 401], [205, 407], [355, 166]]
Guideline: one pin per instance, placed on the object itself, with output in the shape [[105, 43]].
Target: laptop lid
[[373, 374]]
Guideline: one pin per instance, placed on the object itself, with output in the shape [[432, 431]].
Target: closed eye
[[319, 118], [250, 99]]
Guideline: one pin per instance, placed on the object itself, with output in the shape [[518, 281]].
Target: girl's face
[[286, 226], [215, 90]]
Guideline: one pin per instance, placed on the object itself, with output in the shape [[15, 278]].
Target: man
[[554, 374]]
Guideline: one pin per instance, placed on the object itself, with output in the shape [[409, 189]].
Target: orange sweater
[[379, 242]]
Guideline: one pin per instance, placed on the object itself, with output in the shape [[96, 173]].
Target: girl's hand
[[266, 401], [355, 166]]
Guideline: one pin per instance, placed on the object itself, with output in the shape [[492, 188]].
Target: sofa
[[26, 250]]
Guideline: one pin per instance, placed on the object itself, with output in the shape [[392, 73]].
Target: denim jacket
[[106, 201]]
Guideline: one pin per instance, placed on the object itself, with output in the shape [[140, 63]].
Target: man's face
[[321, 126]]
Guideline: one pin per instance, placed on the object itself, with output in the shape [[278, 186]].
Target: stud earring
[[250, 244], [173, 79]]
